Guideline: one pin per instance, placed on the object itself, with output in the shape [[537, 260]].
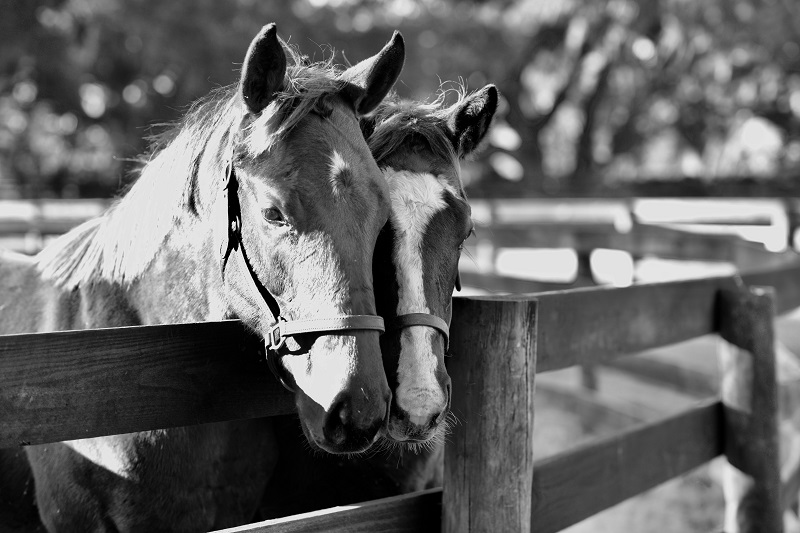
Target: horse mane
[[395, 120], [119, 245]]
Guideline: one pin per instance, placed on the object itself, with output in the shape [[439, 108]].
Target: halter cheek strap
[[281, 328], [421, 319]]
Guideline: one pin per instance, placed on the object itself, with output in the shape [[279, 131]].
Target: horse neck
[[182, 282]]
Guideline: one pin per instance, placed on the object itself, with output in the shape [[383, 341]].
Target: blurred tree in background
[[596, 93]]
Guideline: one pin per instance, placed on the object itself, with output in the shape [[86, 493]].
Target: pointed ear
[[376, 75], [471, 119], [263, 69]]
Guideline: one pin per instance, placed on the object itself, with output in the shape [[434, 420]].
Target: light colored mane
[[119, 245]]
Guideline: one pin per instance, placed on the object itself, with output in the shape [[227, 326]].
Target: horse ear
[[376, 75], [471, 119], [263, 69]]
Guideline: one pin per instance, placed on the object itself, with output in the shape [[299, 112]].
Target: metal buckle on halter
[[275, 340]]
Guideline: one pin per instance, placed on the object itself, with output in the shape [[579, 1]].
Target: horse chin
[[320, 444], [342, 395], [401, 430], [325, 431]]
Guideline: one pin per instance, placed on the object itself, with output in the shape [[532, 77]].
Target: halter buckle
[[275, 340]]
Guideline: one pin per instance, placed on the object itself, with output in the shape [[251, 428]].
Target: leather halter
[[281, 328], [421, 319]]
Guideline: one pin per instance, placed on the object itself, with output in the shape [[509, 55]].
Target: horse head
[[418, 148], [303, 202]]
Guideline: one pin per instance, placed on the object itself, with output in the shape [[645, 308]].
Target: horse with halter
[[245, 210], [418, 147]]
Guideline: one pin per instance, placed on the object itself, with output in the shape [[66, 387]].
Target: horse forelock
[[120, 244], [308, 88], [396, 121]]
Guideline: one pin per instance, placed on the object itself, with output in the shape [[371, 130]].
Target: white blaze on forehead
[[338, 164], [415, 199], [338, 168]]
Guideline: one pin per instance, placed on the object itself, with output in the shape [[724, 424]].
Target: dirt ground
[[688, 504]]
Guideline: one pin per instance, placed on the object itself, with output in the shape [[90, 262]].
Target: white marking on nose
[[416, 199]]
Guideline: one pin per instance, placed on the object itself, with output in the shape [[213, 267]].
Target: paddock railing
[[77, 384]]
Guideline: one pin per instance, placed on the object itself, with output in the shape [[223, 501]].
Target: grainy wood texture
[[419, 512], [752, 483], [619, 321], [597, 324], [489, 455], [78, 384], [575, 485]]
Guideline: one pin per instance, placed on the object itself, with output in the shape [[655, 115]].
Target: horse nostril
[[350, 426], [335, 428]]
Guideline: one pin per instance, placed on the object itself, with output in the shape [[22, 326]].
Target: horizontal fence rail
[[578, 484], [78, 384], [420, 512]]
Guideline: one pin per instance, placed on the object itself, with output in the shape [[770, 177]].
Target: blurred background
[[612, 97], [636, 141]]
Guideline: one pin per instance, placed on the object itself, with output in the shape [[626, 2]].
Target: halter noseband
[[281, 328], [421, 319]]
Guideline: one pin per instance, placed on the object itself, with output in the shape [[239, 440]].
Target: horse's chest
[[182, 479]]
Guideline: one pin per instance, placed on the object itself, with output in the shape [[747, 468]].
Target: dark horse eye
[[274, 215]]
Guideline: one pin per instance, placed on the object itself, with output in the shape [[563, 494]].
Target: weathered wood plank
[[575, 485], [78, 384], [619, 321], [489, 454], [419, 512], [749, 394], [40, 388]]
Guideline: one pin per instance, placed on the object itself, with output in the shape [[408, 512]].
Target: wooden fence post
[[585, 278], [752, 481], [488, 467]]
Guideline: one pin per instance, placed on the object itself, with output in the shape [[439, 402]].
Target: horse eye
[[464, 242], [273, 215]]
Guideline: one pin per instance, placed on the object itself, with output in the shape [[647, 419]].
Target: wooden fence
[[78, 384], [162, 376]]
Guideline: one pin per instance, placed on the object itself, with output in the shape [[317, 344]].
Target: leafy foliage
[[595, 92]]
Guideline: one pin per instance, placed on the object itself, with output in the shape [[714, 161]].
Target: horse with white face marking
[[418, 147], [235, 215]]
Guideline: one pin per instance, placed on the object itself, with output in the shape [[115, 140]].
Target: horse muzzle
[[342, 394]]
